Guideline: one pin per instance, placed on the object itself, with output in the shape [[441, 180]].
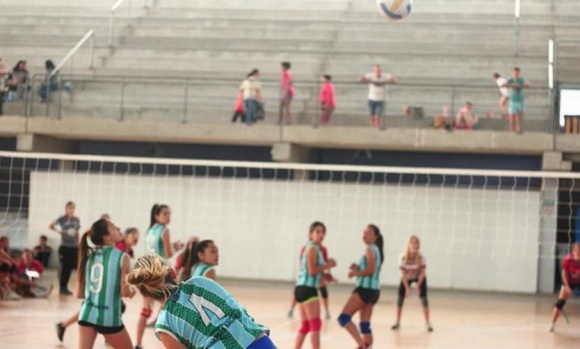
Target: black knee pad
[[560, 304], [324, 292], [425, 302], [123, 307]]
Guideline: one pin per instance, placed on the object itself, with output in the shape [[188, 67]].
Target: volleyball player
[[197, 313], [158, 241], [413, 266], [367, 291], [322, 290], [185, 257], [306, 291], [101, 283], [570, 280], [205, 258]]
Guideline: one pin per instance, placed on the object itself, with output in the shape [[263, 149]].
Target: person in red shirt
[[286, 93], [21, 279], [326, 278], [327, 100], [130, 239], [570, 280]]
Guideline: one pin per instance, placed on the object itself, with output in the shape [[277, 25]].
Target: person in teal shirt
[[517, 100], [197, 313]]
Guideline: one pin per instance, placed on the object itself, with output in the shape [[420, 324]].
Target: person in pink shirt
[[327, 100], [286, 93], [23, 283]]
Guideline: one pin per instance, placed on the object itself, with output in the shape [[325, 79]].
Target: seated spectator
[[18, 80], [24, 282], [415, 112], [7, 268], [44, 91], [42, 252], [465, 119]]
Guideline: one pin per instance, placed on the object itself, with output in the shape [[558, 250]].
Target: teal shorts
[[516, 107]]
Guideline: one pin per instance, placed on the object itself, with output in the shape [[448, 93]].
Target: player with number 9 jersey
[[102, 283], [197, 313]]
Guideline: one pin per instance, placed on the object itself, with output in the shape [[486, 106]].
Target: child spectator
[[465, 119], [18, 81], [286, 93], [24, 283], [327, 100], [239, 109], [42, 252]]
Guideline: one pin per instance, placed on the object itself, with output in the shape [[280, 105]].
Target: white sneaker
[[12, 296], [551, 328]]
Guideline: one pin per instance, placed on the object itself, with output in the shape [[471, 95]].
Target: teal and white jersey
[[201, 314], [102, 304], [305, 279], [200, 269], [370, 281], [155, 240]]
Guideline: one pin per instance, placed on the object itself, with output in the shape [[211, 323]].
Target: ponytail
[[153, 278], [98, 231], [187, 259], [155, 210], [379, 242]]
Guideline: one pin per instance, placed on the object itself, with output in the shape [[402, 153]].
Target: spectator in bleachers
[[414, 112], [377, 94], [286, 93], [42, 251], [250, 90], [68, 227], [327, 100], [504, 93], [465, 119], [4, 72], [45, 90], [239, 109], [18, 81], [517, 100]]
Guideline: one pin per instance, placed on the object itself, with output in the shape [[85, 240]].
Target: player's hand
[[331, 263], [351, 274], [178, 245], [568, 290], [407, 292], [353, 267]]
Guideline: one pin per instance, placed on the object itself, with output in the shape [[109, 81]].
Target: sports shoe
[[327, 316], [138, 347], [429, 327], [290, 313], [12, 296], [395, 326], [60, 331], [551, 328]]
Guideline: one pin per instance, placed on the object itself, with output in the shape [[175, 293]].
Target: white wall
[[473, 239]]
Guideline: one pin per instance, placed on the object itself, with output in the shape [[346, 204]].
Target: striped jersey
[[305, 279], [200, 269], [370, 281], [102, 304], [155, 240], [201, 314], [412, 268]]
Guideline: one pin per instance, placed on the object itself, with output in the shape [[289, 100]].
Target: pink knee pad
[[315, 325], [146, 312], [305, 328]]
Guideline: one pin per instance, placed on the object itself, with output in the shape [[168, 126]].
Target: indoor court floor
[[460, 320]]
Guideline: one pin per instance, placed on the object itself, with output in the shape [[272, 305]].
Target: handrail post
[[92, 52], [46, 91], [111, 26], [551, 95], [122, 105], [185, 102], [517, 29]]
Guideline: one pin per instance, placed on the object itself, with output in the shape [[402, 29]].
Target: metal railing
[[196, 100], [116, 6]]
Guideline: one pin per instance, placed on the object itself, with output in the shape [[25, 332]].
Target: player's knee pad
[[315, 325], [365, 328], [400, 301], [146, 312], [425, 302], [560, 304], [344, 319], [324, 292], [123, 307], [305, 328]]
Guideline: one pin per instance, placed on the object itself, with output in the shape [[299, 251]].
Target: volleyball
[[394, 9]]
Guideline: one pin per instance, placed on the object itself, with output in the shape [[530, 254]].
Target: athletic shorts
[[102, 329], [286, 97], [516, 107], [305, 293], [376, 107], [368, 295], [575, 289], [411, 282], [262, 343]]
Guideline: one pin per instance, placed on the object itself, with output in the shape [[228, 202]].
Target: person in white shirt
[[376, 99], [504, 93], [251, 93]]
